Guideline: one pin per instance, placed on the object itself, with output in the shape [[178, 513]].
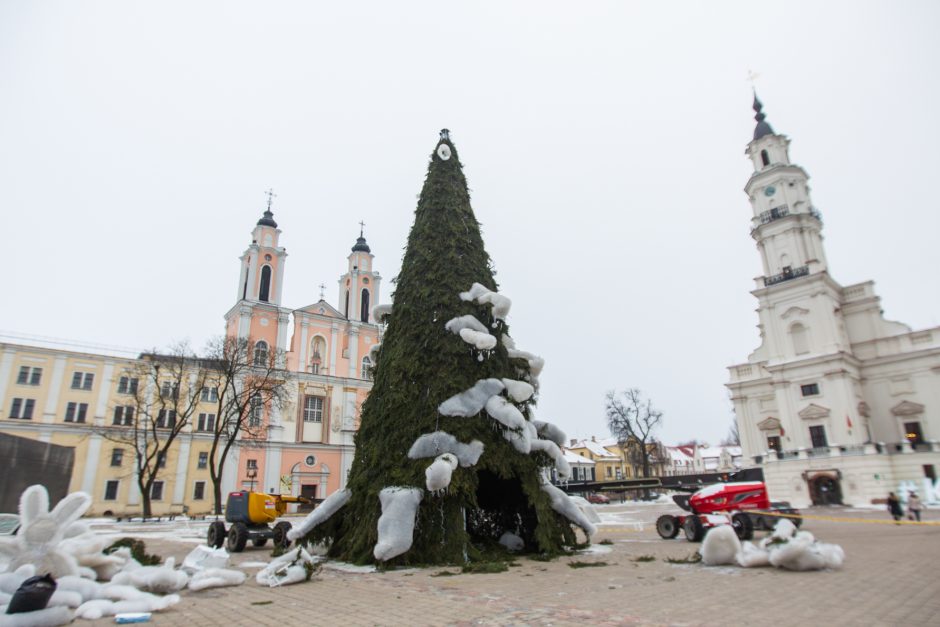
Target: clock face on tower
[[770, 190]]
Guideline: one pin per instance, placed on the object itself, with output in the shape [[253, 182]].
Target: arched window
[[364, 309], [264, 291], [261, 353], [764, 157], [257, 410], [799, 338], [366, 368], [346, 308]]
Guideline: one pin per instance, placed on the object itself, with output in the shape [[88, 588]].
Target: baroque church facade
[[837, 404], [70, 398]]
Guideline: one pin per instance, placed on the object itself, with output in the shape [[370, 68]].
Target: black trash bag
[[33, 595]]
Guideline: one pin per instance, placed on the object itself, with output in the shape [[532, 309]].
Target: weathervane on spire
[[271, 196]]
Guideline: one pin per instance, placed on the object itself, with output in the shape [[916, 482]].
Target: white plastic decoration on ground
[[37, 540], [721, 545], [790, 549], [397, 522], [294, 566], [511, 541], [204, 557], [564, 506], [505, 413], [438, 442], [327, 508], [162, 579], [438, 474], [518, 391], [216, 578], [104, 607], [48, 617], [470, 402]]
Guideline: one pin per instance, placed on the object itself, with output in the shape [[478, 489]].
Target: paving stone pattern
[[890, 578]]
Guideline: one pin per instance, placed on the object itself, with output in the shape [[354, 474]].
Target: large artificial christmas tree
[[449, 459]]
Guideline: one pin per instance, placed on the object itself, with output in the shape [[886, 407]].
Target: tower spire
[[268, 218], [763, 127]]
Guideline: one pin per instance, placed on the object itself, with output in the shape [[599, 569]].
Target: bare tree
[[246, 377], [734, 436], [632, 420], [162, 397]]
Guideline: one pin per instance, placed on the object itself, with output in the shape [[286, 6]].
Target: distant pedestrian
[[914, 506], [894, 506]]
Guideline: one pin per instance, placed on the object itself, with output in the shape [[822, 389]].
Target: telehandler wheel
[[280, 534], [259, 542], [693, 528], [216, 535], [667, 526], [743, 526], [237, 538]]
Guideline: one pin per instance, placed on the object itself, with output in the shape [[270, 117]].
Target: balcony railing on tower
[[773, 214], [787, 274]]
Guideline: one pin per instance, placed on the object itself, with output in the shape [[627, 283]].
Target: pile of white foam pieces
[[786, 548]]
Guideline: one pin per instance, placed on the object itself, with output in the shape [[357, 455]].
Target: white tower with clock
[[834, 390]]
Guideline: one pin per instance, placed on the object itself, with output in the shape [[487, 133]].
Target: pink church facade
[[309, 446]]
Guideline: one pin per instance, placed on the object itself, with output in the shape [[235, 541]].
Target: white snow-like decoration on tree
[[41, 531], [551, 432], [470, 402], [721, 545], [216, 578], [586, 508], [443, 151], [374, 352], [397, 522], [438, 474], [480, 341], [519, 440], [562, 467], [162, 579], [518, 391], [505, 413], [438, 442], [295, 566], [511, 541], [484, 296], [380, 311], [48, 617], [458, 324], [323, 511], [567, 508]]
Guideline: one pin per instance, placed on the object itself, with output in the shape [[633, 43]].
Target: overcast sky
[[603, 143]]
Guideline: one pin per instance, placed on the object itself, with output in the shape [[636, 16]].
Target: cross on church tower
[[271, 196], [322, 288], [362, 226]]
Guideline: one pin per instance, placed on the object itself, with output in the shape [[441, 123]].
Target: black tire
[[237, 538], [693, 528], [259, 541], [667, 526], [215, 537], [280, 534], [743, 526]]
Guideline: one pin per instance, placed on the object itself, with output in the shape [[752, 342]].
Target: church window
[[346, 308], [313, 409], [817, 434], [764, 157], [261, 353], [264, 291], [366, 368], [364, 308], [798, 336], [810, 389], [256, 411]]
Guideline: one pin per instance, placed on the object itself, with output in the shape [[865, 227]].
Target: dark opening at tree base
[[502, 507]]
